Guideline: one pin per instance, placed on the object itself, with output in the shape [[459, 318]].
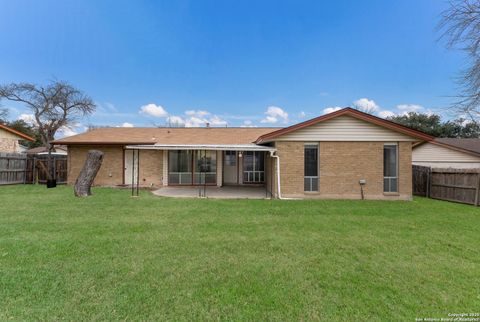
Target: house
[[42, 150], [344, 154], [448, 153], [9, 140]]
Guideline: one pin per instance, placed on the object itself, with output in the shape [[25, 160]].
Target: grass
[[113, 257]]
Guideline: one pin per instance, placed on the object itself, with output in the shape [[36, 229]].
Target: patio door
[[230, 168], [129, 168], [205, 165]]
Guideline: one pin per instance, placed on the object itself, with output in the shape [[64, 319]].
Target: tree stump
[[87, 175]]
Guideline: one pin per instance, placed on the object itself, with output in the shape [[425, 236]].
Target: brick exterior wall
[[151, 168], [112, 170], [342, 165]]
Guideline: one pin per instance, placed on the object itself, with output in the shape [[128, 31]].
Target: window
[[253, 167], [192, 167], [390, 168], [311, 167], [231, 158], [180, 167]]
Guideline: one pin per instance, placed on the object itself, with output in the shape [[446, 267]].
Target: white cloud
[[174, 120], [385, 114], [126, 124], [153, 110], [331, 109], [366, 105], [66, 131], [28, 118], [406, 108], [275, 114], [302, 114], [197, 113], [248, 123]]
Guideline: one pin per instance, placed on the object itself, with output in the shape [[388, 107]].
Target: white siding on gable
[[345, 128], [433, 155]]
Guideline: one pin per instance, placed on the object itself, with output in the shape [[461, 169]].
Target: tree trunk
[[51, 179], [88, 173]]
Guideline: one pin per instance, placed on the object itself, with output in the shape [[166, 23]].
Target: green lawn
[[113, 257]]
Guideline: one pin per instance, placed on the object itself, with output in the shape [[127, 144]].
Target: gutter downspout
[[279, 191]]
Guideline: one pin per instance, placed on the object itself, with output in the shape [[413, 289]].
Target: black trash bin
[[51, 183]]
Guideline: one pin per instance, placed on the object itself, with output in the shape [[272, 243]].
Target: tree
[[30, 130], [433, 125], [428, 123], [54, 106], [83, 184], [460, 24], [3, 115]]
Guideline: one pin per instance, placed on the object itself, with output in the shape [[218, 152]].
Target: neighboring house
[[448, 153], [41, 150], [325, 157], [9, 140]]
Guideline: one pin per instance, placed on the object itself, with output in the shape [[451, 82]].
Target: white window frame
[[389, 191], [311, 179]]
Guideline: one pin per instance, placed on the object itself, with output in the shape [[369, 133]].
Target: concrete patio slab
[[225, 192]]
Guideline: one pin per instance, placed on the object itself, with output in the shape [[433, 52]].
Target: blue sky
[[235, 63]]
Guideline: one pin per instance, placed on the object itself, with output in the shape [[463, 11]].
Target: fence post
[[477, 190], [429, 183]]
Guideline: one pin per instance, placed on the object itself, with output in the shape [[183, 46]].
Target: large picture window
[[390, 168], [311, 167]]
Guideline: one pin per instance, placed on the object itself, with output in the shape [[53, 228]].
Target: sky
[[230, 63]]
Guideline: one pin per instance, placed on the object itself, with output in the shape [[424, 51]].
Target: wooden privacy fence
[[12, 168], [18, 168], [459, 185]]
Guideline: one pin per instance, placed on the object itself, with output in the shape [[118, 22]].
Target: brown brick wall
[[111, 171], [291, 167], [342, 165], [151, 168]]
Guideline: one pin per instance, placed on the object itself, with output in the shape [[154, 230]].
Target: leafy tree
[[30, 130], [428, 123], [433, 125]]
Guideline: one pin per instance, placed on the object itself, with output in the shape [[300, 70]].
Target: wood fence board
[[459, 185]]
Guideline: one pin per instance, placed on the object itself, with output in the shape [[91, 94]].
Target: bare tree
[[54, 106], [460, 26], [3, 115]]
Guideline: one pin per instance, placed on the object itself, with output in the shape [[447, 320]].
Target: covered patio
[[225, 192]]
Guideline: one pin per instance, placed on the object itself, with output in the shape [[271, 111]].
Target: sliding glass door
[[180, 167], [205, 167], [192, 167]]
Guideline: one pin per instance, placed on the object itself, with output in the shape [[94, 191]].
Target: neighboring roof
[[17, 133], [42, 149], [471, 146], [179, 136], [350, 112]]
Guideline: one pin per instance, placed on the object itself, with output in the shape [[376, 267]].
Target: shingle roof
[[472, 145], [17, 133], [124, 135]]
